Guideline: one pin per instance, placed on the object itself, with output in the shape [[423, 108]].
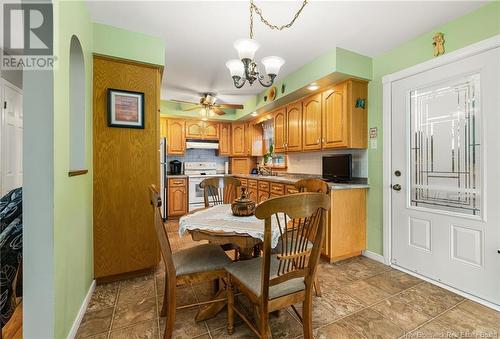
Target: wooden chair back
[[219, 191], [299, 217], [161, 232], [312, 185]]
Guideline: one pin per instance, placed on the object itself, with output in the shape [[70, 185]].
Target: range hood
[[201, 144]]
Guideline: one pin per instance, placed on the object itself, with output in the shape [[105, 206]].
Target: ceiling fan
[[208, 102]]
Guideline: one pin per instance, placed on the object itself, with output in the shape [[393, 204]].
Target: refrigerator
[[163, 178]]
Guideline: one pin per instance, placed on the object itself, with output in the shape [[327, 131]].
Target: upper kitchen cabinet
[[176, 136], [344, 124], [311, 123], [224, 139], [198, 129], [279, 117], [163, 127], [239, 140], [294, 127]]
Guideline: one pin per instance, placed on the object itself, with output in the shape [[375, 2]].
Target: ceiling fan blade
[[218, 111], [232, 106], [184, 102], [192, 109]]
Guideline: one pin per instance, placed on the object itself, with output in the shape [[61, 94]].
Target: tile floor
[[361, 299]]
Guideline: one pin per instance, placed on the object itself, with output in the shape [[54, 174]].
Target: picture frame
[[125, 108]]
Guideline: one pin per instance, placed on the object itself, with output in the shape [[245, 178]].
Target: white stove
[[197, 172]]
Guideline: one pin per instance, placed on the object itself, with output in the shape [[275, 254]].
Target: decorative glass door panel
[[445, 160]]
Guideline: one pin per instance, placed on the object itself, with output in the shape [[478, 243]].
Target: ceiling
[[199, 35]]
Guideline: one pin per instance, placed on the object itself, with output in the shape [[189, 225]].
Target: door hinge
[[5, 105]]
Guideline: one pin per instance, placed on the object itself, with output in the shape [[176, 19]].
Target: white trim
[[387, 80], [459, 54], [449, 288], [81, 312], [374, 256]]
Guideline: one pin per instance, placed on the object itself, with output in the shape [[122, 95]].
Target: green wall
[[473, 27], [117, 42], [73, 261]]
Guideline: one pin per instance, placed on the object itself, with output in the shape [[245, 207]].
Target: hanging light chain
[[257, 10]]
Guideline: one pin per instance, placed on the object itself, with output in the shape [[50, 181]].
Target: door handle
[[396, 187]]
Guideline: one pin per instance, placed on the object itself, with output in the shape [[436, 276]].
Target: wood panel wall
[[126, 162]]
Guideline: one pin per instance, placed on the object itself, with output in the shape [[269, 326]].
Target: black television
[[337, 168]]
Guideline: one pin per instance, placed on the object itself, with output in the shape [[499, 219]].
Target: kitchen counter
[[292, 179], [176, 176]]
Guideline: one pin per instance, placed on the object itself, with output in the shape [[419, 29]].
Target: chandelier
[[246, 69]]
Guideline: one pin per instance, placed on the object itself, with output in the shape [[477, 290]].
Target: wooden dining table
[[218, 225]]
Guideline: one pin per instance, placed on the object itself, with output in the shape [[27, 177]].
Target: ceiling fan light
[[236, 67], [272, 64], [246, 48]]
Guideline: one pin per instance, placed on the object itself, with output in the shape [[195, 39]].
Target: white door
[[11, 134], [446, 174]]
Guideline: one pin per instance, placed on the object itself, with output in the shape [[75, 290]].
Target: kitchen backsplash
[[205, 155], [311, 162]]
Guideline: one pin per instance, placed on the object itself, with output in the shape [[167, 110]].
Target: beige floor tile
[[184, 296], [139, 311], [485, 313], [339, 302], [401, 314], [144, 330], [285, 326], [99, 336], [136, 289], [373, 325], [185, 327], [393, 281], [95, 322], [240, 332], [355, 270], [471, 321], [104, 296], [429, 299], [365, 292], [337, 330], [433, 329]]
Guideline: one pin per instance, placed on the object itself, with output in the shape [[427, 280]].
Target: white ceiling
[[199, 35]]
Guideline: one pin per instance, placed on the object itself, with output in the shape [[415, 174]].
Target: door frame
[[5, 83], [387, 80]]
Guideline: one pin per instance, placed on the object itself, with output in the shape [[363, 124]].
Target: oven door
[[195, 193]]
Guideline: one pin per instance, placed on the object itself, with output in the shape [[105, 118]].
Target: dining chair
[[313, 185], [221, 190], [275, 281], [196, 264]]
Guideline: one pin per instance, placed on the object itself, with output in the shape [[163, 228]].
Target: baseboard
[[374, 256], [81, 312], [449, 288]]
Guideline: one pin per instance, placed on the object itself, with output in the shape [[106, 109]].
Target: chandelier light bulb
[[272, 64], [246, 48], [236, 67]]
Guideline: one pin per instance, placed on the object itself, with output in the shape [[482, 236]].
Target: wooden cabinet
[[224, 139], [252, 195], [194, 129], [344, 124], [294, 127], [277, 189], [346, 232], [262, 196], [311, 123], [263, 186], [290, 189], [198, 129], [238, 145], [242, 165], [210, 130], [177, 197], [279, 117], [163, 127], [176, 136]]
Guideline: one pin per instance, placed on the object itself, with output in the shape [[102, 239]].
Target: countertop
[[292, 179]]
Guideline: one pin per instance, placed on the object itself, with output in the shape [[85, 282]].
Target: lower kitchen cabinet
[[252, 194], [263, 196], [177, 197]]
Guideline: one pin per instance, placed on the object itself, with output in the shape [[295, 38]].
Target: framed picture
[[125, 108]]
